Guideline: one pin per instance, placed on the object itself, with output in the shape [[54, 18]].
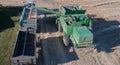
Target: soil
[[105, 16]]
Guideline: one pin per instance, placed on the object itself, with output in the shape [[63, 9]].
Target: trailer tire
[[66, 40]]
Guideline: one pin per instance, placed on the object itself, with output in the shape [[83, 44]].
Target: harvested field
[[106, 34], [8, 30], [106, 30]]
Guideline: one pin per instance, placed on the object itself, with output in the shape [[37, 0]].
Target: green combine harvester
[[75, 25]]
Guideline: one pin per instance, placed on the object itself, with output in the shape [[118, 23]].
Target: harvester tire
[[66, 40]]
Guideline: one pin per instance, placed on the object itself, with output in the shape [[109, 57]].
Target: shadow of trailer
[[24, 49]]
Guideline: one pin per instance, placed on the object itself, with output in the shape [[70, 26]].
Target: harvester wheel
[[66, 40], [59, 27]]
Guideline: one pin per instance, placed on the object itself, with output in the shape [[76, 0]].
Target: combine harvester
[[75, 25], [71, 20]]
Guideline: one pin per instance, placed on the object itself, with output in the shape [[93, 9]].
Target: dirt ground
[[106, 21]]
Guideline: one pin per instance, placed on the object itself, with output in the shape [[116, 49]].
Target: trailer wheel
[[59, 27], [66, 40]]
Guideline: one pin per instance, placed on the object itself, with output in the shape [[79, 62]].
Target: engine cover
[[82, 36]]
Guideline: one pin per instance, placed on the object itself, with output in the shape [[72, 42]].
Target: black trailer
[[24, 49], [25, 45]]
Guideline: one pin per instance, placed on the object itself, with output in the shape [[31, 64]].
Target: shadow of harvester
[[106, 34], [53, 51]]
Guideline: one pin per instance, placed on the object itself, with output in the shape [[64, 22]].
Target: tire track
[[115, 59], [107, 59], [116, 55], [105, 3], [87, 56], [102, 4]]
